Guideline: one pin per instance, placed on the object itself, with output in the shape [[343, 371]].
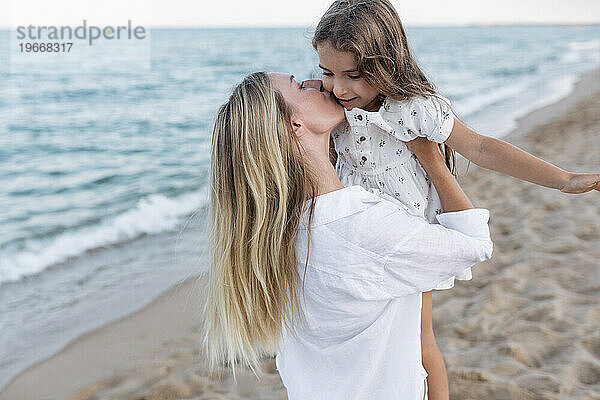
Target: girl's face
[[341, 77]]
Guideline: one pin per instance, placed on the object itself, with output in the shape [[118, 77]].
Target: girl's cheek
[[328, 84]]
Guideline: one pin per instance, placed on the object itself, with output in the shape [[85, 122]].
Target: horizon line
[[424, 25]]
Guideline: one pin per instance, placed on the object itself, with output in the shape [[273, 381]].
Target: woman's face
[[315, 109]]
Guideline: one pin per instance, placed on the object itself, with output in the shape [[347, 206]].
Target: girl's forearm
[[503, 157]]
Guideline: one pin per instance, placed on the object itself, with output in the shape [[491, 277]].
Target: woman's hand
[[451, 195], [427, 152], [581, 183]]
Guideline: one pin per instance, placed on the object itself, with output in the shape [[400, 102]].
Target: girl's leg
[[437, 380]]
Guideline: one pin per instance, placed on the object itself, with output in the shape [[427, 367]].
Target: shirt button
[[362, 138], [359, 117], [364, 158]]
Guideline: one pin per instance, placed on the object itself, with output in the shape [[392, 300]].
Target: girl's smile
[[346, 103], [342, 78]]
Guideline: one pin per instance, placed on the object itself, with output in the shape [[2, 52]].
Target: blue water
[[104, 176]]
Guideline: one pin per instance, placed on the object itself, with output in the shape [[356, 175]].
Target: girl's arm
[[500, 156]]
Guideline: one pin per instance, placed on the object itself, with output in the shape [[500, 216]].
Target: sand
[[526, 327]]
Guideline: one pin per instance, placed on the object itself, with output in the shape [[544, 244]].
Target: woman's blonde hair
[[373, 32], [260, 184]]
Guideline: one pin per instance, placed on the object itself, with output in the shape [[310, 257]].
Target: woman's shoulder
[[380, 208], [377, 224], [356, 199]]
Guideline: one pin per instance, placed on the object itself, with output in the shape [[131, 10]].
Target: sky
[[217, 13]]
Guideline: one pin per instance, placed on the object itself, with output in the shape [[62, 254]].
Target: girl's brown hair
[[373, 32]]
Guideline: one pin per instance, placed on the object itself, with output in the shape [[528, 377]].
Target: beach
[[526, 327]]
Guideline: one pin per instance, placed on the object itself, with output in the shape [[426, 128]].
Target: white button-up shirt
[[368, 263]]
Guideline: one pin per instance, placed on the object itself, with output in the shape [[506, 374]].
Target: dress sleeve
[[429, 117], [432, 253]]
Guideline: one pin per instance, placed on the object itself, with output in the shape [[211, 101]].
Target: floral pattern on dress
[[374, 155]]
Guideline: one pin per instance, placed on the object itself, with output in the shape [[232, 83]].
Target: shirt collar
[[338, 204]]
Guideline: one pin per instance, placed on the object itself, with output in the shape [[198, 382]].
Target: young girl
[[368, 66]]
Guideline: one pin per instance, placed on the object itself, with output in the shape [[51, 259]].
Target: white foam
[[536, 94], [152, 214], [478, 102], [582, 51], [585, 45], [559, 89]]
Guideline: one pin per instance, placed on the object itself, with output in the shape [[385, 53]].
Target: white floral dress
[[372, 153]]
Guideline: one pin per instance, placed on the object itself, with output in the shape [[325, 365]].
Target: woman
[[329, 278]]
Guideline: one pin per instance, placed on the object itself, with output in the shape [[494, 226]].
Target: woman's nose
[[314, 84]]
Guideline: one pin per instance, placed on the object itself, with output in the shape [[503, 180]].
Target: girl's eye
[[327, 73], [354, 76]]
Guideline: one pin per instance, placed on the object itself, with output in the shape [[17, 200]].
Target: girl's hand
[[581, 183]]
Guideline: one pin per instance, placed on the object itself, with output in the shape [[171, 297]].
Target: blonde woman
[[329, 278]]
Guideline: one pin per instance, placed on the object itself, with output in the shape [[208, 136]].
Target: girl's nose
[[339, 90], [313, 84]]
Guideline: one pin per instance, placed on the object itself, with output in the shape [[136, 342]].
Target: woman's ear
[[297, 127]]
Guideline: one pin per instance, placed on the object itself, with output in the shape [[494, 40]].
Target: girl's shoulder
[[428, 102], [428, 116]]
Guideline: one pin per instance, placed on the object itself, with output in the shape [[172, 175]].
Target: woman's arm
[[500, 156], [451, 195], [426, 254]]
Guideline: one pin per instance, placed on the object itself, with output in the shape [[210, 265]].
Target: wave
[[515, 71], [151, 214], [582, 51], [558, 89], [477, 102], [585, 45], [579, 57]]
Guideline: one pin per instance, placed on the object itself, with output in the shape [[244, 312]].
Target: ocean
[[104, 176]]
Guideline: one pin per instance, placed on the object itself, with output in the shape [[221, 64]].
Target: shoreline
[[586, 84], [155, 332], [136, 324]]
